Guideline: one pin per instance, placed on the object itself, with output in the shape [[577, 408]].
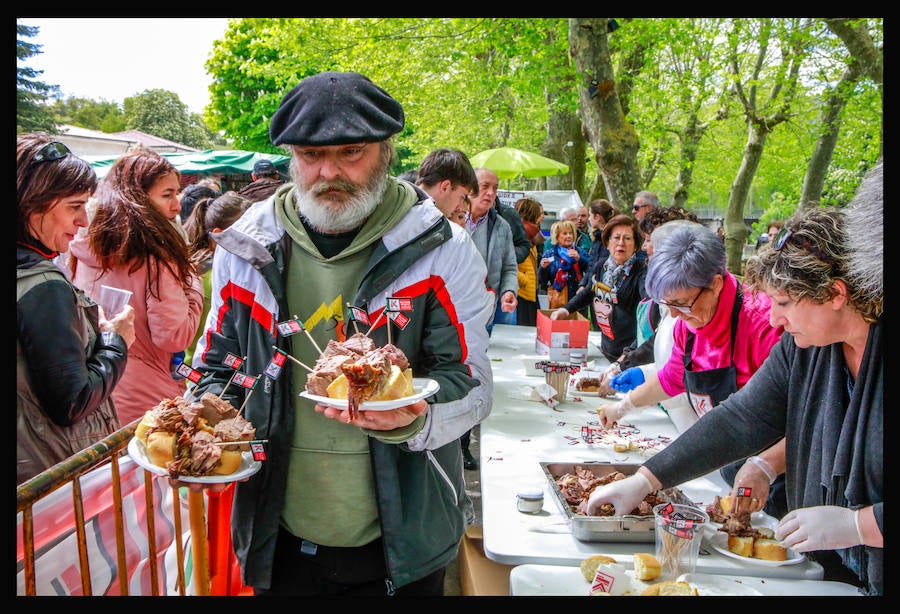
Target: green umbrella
[[509, 163]]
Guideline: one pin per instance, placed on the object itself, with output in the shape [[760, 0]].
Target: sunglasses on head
[[786, 233], [53, 150]]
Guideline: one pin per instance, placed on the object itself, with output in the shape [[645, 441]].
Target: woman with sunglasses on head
[[721, 338], [69, 357], [821, 389], [133, 243]]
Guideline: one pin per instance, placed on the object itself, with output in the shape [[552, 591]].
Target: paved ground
[[473, 488]]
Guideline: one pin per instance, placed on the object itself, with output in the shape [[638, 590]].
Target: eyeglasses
[[684, 308], [637, 207], [53, 150], [786, 233]]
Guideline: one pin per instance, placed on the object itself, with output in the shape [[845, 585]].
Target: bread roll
[[229, 462], [589, 565], [146, 423], [765, 533], [398, 385], [742, 546], [769, 550], [161, 447], [670, 589], [646, 566]]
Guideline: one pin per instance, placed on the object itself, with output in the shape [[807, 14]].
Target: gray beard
[[332, 217]]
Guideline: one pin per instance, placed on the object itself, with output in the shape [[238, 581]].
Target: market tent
[[208, 162]]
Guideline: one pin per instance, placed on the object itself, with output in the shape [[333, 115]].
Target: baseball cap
[[263, 168]]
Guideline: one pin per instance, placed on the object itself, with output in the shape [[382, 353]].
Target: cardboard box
[[478, 575], [556, 338]]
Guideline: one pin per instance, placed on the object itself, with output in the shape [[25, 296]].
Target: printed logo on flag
[[398, 303], [744, 491], [259, 452], [185, 370], [233, 361], [289, 327], [602, 582], [359, 315], [275, 365], [241, 379], [399, 319]]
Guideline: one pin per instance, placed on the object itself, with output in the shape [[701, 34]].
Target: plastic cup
[[113, 300], [559, 380], [679, 532]]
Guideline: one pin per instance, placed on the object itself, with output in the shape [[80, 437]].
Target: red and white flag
[[246, 381], [276, 364], [399, 303], [185, 370], [233, 361]]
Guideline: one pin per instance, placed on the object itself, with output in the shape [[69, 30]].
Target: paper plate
[[422, 387], [138, 452], [720, 543]]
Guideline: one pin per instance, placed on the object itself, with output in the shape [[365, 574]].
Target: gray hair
[[565, 212], [688, 256], [864, 238], [648, 197]]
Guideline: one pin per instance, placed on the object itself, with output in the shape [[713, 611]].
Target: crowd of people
[[774, 378]]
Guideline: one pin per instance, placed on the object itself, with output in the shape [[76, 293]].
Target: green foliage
[[92, 114], [161, 113], [32, 114]]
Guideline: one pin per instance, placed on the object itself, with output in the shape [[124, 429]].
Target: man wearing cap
[[265, 182], [376, 506]]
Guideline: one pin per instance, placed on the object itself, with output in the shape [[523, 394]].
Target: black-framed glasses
[[54, 150], [786, 233], [685, 308]]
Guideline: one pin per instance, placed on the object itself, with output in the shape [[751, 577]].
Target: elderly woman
[[821, 389], [563, 264], [617, 287]]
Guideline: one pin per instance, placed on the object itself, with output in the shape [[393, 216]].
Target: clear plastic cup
[[679, 532], [113, 300]]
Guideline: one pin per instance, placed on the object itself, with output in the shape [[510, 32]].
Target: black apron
[[706, 389]]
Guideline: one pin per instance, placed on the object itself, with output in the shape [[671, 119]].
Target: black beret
[[335, 108]]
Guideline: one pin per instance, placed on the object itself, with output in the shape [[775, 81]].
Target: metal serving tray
[[626, 528]]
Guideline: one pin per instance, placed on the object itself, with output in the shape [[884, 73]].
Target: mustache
[[341, 185]]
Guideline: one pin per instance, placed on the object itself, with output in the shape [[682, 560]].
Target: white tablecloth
[[520, 433]]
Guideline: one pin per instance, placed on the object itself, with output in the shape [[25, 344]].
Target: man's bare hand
[[384, 420]]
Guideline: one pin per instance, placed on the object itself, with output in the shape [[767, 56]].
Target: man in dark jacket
[[374, 504], [265, 182]]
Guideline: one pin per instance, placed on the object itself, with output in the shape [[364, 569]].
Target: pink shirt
[[163, 325], [712, 346]]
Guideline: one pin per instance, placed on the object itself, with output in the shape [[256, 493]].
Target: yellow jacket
[[528, 276]]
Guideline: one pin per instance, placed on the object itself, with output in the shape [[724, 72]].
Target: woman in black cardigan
[[616, 288]]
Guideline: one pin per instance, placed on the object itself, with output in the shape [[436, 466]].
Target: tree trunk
[[613, 138], [735, 229]]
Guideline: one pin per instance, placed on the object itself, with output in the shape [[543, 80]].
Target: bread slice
[[589, 565], [646, 566], [765, 533], [670, 589], [769, 550], [741, 545], [726, 503], [398, 385]]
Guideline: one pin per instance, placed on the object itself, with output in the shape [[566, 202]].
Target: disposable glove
[[752, 476], [624, 495], [825, 527], [611, 413], [629, 379], [604, 390]]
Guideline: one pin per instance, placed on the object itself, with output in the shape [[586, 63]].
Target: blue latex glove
[[629, 379]]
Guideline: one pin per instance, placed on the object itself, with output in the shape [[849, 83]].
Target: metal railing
[[70, 472]]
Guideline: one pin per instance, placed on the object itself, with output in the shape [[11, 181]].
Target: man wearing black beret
[[376, 504]]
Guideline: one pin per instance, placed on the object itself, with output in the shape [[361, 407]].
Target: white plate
[[422, 387], [720, 543], [138, 452]]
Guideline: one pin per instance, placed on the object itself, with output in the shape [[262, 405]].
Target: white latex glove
[[825, 527], [611, 413], [605, 390], [624, 495]]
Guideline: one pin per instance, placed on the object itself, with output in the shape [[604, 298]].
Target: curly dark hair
[[660, 215]]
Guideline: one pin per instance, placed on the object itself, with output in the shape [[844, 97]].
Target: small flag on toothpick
[[259, 452], [399, 303], [399, 319], [289, 327], [246, 381], [233, 361], [359, 315], [275, 365], [185, 370]]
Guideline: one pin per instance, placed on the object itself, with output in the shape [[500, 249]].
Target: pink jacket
[[712, 349], [162, 326]]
